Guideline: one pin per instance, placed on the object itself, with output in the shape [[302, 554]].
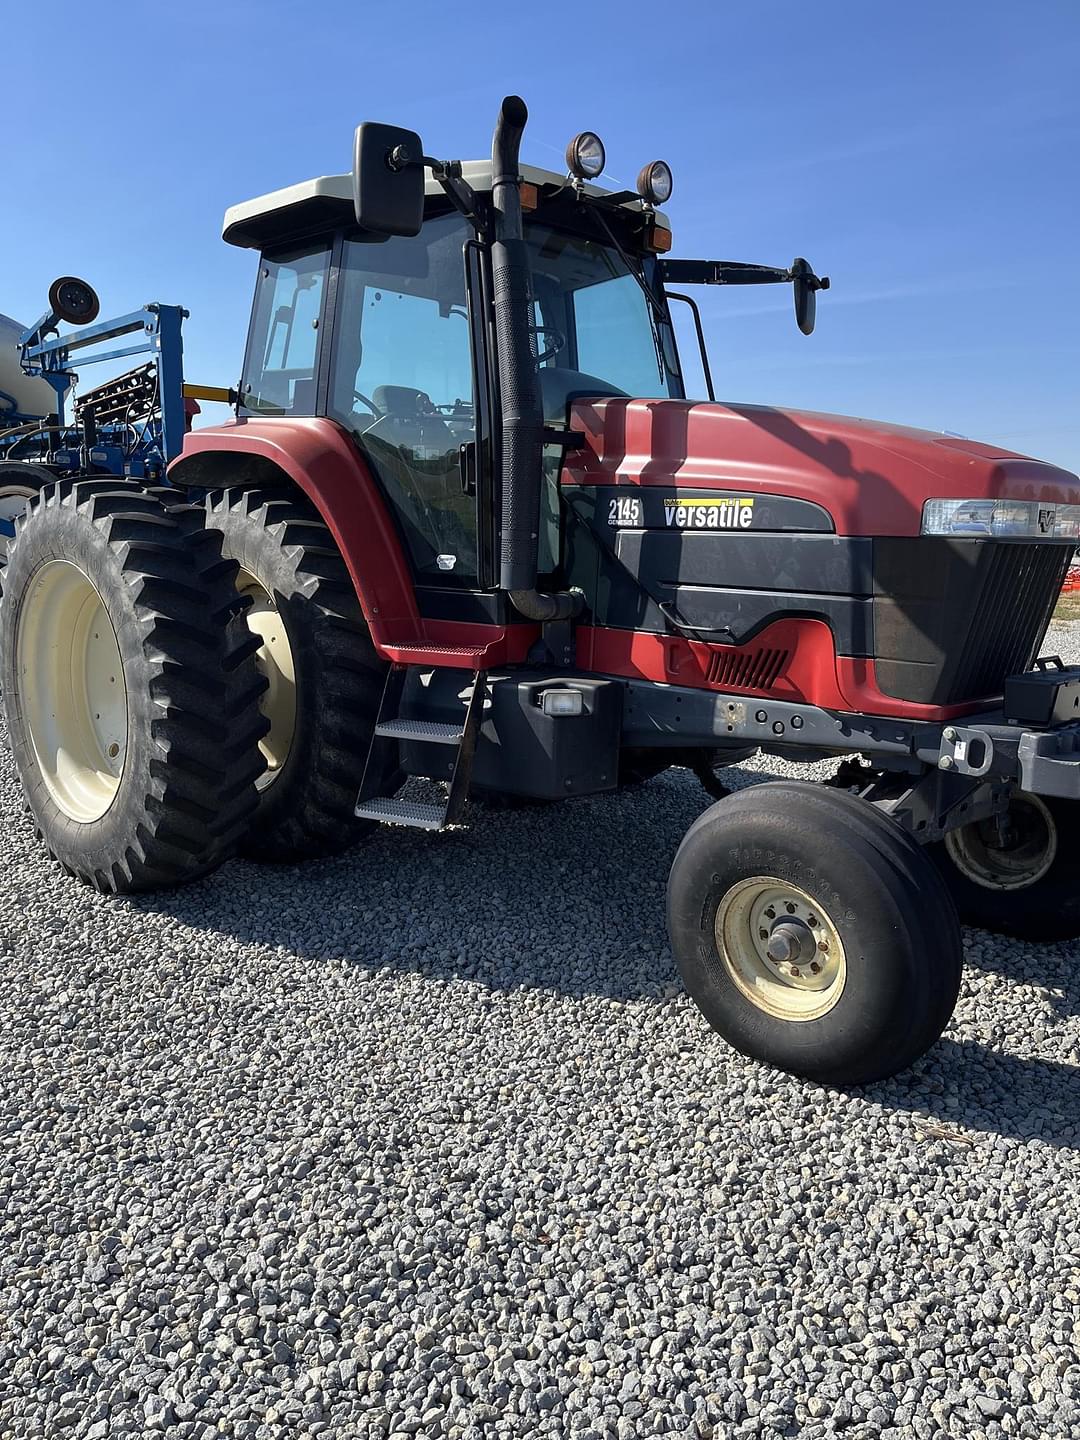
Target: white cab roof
[[326, 201]]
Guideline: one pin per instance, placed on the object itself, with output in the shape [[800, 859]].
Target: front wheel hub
[[781, 948], [791, 942]]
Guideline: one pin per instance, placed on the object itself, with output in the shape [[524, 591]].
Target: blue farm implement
[[131, 425]]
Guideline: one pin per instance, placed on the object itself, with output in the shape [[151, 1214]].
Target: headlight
[[585, 156], [654, 182], [1002, 519]]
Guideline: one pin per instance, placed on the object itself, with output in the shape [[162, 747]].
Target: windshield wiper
[[652, 305]]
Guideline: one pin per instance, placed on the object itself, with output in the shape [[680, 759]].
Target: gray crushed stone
[[427, 1141]]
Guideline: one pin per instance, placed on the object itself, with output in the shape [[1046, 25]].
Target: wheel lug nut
[[764, 934], [771, 913], [823, 944], [811, 919], [790, 908], [795, 971], [815, 968]]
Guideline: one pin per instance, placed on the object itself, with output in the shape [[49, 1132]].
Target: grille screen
[[954, 618], [1019, 588], [747, 669]]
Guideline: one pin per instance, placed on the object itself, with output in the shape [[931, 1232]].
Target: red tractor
[[466, 525]]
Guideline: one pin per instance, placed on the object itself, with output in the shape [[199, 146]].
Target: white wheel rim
[[977, 853], [781, 948], [72, 690], [13, 500], [275, 660]]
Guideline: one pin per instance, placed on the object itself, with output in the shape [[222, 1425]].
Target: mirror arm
[[733, 272], [448, 174]]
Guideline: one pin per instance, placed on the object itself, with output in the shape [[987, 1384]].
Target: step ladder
[[391, 728]]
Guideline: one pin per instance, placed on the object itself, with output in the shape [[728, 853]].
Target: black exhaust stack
[[522, 439]]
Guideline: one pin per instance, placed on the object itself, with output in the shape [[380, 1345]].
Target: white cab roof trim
[[339, 188]]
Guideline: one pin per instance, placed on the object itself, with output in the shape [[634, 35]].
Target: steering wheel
[[370, 404]]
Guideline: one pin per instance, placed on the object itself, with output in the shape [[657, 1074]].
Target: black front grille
[[1017, 596], [953, 618]]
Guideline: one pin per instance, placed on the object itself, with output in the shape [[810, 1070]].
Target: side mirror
[[388, 179], [806, 285]]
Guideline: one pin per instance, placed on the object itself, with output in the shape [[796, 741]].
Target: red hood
[[872, 478]]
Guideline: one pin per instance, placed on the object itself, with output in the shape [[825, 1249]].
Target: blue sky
[[925, 155]]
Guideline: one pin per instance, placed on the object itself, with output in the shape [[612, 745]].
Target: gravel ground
[[427, 1141]]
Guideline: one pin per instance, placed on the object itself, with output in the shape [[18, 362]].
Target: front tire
[[324, 676], [813, 933], [1021, 878], [130, 687]]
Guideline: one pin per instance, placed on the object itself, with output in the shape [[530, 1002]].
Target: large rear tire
[[325, 677], [130, 688], [1022, 878], [813, 933]]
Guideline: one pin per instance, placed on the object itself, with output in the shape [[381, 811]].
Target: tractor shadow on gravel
[[569, 899], [982, 1085], [965, 1085]]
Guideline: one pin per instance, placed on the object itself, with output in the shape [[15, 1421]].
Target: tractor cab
[[392, 338]]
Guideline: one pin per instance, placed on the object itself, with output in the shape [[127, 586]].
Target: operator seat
[[408, 418]]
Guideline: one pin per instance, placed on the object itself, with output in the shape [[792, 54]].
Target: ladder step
[[454, 657], [427, 730], [402, 812]]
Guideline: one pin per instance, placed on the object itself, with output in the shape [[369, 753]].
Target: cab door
[[403, 381]]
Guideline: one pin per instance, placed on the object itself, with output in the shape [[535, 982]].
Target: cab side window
[[279, 369]]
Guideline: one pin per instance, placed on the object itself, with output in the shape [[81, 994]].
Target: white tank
[[32, 396]]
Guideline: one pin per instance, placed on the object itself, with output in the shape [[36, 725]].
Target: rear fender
[[318, 458]]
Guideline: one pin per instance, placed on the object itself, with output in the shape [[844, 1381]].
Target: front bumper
[[986, 748]]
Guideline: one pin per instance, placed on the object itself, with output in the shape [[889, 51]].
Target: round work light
[[585, 156], [654, 182]]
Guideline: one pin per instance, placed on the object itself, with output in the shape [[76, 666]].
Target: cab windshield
[[593, 322]]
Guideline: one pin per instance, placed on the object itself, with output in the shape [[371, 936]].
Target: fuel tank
[[725, 531]]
